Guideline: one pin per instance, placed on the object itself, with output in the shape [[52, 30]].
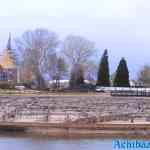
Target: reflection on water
[[26, 143]]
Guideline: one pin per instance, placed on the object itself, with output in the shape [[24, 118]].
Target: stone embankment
[[104, 108], [82, 109]]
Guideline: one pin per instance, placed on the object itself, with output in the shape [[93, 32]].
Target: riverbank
[[103, 130], [87, 133], [77, 115]]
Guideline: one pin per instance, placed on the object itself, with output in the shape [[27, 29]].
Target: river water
[[36, 143], [26, 143]]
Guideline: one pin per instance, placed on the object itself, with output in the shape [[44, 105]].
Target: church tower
[[7, 60], [8, 69], [9, 42]]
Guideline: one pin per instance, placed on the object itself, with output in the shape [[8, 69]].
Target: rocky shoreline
[[55, 132], [78, 110], [106, 108]]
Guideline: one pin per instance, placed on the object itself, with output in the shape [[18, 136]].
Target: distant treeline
[[43, 57]]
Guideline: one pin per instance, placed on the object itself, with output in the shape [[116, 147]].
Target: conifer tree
[[77, 76], [72, 81], [122, 75], [103, 72]]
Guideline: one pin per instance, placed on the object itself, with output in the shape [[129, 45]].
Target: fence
[[139, 92], [125, 91], [38, 115]]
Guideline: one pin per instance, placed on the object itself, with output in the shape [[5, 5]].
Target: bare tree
[[51, 65], [56, 68], [91, 71], [144, 74], [33, 48], [77, 49], [61, 68], [77, 76]]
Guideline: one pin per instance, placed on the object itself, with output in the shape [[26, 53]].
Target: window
[[3, 76]]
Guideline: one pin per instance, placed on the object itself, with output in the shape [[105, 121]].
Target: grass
[[7, 92]]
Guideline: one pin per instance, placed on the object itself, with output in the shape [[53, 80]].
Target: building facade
[[8, 67]]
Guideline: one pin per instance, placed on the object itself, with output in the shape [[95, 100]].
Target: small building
[[136, 84], [62, 83], [8, 67]]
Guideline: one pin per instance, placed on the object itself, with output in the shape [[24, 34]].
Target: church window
[[3, 76]]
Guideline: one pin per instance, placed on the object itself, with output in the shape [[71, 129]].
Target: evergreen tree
[[72, 80], [77, 76], [122, 75], [103, 72]]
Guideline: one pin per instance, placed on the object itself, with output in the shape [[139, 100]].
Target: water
[[26, 143]]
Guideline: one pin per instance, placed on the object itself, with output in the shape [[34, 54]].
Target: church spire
[[9, 42]]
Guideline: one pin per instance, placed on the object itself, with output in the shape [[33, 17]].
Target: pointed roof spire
[[7, 60], [9, 42]]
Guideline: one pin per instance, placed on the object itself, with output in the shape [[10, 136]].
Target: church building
[[8, 66]]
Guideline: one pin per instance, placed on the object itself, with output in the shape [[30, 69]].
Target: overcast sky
[[121, 26]]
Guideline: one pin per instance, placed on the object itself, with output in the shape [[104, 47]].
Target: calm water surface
[[26, 143]]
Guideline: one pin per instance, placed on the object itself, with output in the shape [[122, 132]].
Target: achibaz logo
[[131, 144]]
